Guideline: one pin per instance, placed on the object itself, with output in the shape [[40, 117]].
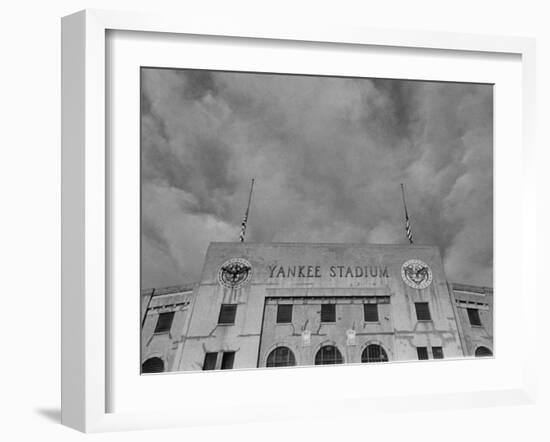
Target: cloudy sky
[[328, 155]]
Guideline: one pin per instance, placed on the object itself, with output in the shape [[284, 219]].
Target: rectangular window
[[422, 352], [437, 352], [328, 312], [371, 312], [422, 311], [473, 316], [164, 322], [227, 360], [210, 361], [284, 313], [227, 314]]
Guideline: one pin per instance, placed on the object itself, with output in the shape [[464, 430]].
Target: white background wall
[[30, 220]]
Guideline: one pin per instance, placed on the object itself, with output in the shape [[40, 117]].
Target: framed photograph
[[255, 214]]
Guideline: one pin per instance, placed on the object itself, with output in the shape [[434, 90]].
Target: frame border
[[84, 200]]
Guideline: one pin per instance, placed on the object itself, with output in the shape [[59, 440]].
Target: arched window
[[327, 355], [281, 357], [374, 353], [152, 365], [483, 352]]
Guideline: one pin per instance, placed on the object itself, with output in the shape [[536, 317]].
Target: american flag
[[245, 219], [408, 230], [243, 227]]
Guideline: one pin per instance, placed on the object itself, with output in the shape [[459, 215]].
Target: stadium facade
[[285, 304]]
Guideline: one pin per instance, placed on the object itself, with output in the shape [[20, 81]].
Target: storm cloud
[[328, 155]]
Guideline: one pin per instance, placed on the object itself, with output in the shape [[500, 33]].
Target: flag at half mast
[[408, 231], [245, 219]]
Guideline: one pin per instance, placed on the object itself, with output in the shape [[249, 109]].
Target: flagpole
[[245, 219], [147, 308], [408, 231], [403, 196]]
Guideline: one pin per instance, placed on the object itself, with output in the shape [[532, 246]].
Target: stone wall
[[310, 274]]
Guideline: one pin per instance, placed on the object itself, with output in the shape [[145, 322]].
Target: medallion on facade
[[234, 273], [416, 274]]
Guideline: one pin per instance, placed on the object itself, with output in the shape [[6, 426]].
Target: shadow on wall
[[51, 414]]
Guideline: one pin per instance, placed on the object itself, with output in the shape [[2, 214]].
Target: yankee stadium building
[[286, 304]]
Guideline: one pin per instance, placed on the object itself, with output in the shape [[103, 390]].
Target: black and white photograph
[[233, 221], [300, 220]]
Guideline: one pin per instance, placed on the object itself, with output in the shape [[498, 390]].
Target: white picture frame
[[86, 213]]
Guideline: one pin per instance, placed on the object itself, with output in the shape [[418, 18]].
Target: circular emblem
[[416, 274], [234, 273]]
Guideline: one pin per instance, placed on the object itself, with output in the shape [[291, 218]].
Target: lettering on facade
[[335, 271]]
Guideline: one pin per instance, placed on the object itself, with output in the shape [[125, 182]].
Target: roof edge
[[157, 291], [316, 244]]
